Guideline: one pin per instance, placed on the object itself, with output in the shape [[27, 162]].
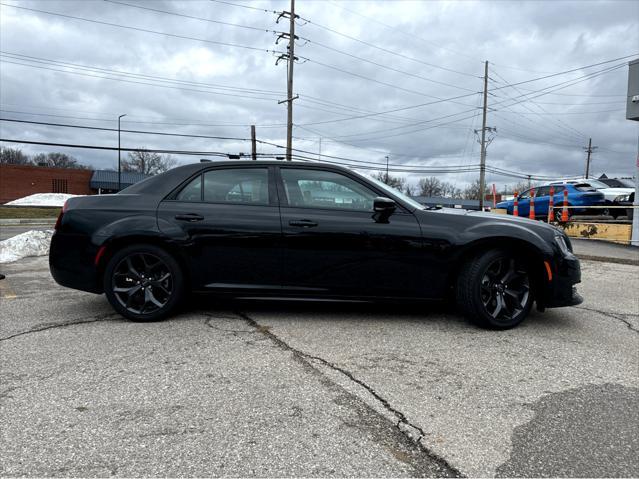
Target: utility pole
[[253, 143], [289, 86], [589, 149], [482, 164], [119, 156], [290, 57], [386, 169]]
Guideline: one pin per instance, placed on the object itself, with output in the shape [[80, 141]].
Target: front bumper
[[561, 290]]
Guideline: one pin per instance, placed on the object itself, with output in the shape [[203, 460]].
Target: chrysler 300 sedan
[[272, 229]]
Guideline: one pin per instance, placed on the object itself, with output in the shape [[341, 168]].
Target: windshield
[[625, 182], [396, 192]]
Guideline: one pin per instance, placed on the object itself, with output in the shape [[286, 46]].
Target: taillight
[[58, 222]]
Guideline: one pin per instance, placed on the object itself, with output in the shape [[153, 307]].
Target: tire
[[493, 290], [558, 213], [143, 283]]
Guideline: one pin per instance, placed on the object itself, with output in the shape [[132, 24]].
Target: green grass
[[28, 212]]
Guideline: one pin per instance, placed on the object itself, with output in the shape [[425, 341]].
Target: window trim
[[272, 193]]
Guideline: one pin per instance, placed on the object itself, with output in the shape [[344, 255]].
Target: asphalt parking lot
[[284, 389]]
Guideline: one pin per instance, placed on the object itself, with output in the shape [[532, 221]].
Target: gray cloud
[[521, 40]]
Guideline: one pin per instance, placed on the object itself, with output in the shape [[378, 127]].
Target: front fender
[[496, 231]]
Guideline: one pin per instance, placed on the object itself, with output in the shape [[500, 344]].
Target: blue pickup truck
[[580, 196]]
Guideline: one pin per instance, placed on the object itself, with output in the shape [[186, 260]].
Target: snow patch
[[30, 243], [43, 199]]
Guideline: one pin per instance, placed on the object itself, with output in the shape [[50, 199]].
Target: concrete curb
[[26, 221], [607, 259]]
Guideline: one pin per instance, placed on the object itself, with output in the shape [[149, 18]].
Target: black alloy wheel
[[505, 289], [559, 212], [143, 283], [494, 290]]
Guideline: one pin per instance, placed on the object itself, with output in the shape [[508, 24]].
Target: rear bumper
[[71, 262], [561, 290]]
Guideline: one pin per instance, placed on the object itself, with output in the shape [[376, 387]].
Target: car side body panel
[[253, 250]]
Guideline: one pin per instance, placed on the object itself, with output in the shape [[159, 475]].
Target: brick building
[[17, 181]]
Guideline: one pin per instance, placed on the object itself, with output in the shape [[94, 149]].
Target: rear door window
[[192, 191], [237, 185]]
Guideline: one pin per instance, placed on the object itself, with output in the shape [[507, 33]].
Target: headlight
[[621, 198], [563, 247]]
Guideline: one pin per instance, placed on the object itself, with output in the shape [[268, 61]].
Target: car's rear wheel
[[494, 290], [143, 283], [559, 212]]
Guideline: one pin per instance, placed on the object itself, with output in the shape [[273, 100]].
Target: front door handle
[[302, 223], [189, 217]]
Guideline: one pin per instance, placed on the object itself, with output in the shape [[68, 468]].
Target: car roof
[[163, 183]]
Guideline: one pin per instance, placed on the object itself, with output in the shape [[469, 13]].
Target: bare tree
[[450, 190], [409, 190], [518, 187], [430, 187], [472, 191], [433, 187], [392, 181], [58, 160], [148, 163], [13, 156]]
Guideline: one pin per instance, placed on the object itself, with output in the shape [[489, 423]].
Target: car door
[[524, 203], [542, 199], [227, 221], [334, 244]]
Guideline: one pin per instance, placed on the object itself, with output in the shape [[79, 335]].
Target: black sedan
[[272, 229]]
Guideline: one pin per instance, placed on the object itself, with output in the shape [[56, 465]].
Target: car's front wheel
[[143, 283], [494, 290]]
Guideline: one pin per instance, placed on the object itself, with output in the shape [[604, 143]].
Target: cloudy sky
[[374, 78]]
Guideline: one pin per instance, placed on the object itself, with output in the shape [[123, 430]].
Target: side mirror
[[384, 205], [384, 208]]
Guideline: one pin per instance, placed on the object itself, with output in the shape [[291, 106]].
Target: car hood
[[473, 218], [612, 193]]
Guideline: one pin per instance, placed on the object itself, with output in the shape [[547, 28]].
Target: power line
[[314, 42], [565, 72], [86, 127], [94, 69], [166, 12], [394, 110], [142, 122], [139, 29], [381, 65], [560, 123], [541, 92], [451, 170], [412, 36], [138, 82], [244, 6], [374, 80]]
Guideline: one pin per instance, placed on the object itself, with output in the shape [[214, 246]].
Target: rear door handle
[[189, 217], [302, 223]]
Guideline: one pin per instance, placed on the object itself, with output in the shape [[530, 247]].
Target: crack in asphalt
[[616, 316], [401, 418], [47, 326]]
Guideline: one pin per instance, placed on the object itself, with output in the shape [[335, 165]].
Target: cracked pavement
[[281, 389]]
